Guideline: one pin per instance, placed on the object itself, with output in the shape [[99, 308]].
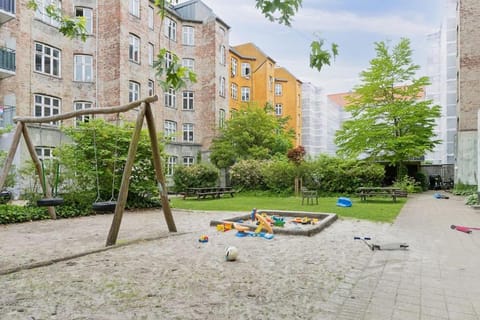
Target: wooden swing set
[[145, 113]]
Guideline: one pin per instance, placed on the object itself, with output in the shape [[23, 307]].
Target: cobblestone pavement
[[437, 278]]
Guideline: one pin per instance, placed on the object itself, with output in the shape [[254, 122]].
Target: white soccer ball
[[231, 253]]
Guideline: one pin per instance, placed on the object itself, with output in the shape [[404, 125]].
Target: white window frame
[[133, 91], [50, 60], [278, 89], [188, 132], [246, 70], [188, 161], [234, 66], [170, 29], [82, 105], [245, 94], [189, 63], [170, 98], [171, 163], [83, 68], [188, 100], [151, 88], [223, 55], [134, 48], [221, 89], [234, 91], [151, 50], [278, 109], [45, 106], [151, 15], [168, 59], [188, 35], [88, 14], [221, 118], [134, 8], [44, 153], [41, 12], [170, 130]]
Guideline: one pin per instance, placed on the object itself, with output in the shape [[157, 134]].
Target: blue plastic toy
[[344, 202]]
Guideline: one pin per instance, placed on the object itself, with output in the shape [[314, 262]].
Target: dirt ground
[[173, 275]]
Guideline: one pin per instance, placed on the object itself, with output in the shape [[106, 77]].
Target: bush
[[195, 176], [247, 175], [17, 214], [408, 184], [279, 175]]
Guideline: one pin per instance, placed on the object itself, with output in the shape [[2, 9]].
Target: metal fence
[[7, 58], [7, 113], [7, 5]]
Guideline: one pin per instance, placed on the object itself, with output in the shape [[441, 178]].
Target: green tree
[[390, 120], [251, 133]]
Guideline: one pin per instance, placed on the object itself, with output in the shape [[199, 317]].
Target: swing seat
[[49, 202], [104, 206]]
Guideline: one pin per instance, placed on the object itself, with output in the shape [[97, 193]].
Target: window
[[83, 69], [88, 14], [234, 67], [270, 83], [234, 89], [188, 100], [168, 59], [188, 36], [46, 106], [151, 14], [188, 161], [223, 57], [245, 94], [221, 118], [134, 7], [170, 130], [82, 105], [151, 49], [221, 90], [170, 98], [151, 88], [246, 70], [134, 48], [171, 163], [188, 132], [44, 153], [47, 59], [133, 91], [41, 12], [278, 89], [188, 63], [278, 109], [170, 29]]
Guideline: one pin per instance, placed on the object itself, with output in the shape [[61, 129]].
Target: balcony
[[7, 113], [7, 10], [7, 62]]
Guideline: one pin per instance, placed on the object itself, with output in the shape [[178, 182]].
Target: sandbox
[[290, 227]]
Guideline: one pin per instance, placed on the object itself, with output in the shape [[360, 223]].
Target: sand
[[174, 276]]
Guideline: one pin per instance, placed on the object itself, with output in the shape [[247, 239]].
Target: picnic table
[[214, 192], [393, 192]]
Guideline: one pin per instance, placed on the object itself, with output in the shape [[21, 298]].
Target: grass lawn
[[375, 209]]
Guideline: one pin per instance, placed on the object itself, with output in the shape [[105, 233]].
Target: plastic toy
[[203, 238], [231, 253], [344, 202], [385, 246], [263, 224]]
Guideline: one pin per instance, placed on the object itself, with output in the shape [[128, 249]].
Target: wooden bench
[[365, 192], [310, 195], [202, 193]]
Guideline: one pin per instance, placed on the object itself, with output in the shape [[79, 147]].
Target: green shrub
[[17, 214], [195, 176], [279, 175], [422, 180], [247, 175], [407, 183]]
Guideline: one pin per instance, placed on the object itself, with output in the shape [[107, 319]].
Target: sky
[[355, 25]]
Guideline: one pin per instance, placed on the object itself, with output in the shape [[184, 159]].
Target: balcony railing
[[7, 10], [7, 62], [7, 113]]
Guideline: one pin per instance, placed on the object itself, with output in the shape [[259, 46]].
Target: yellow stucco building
[[255, 79]]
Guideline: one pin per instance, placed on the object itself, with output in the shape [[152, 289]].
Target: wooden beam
[[78, 113], [127, 172], [157, 162], [11, 154], [38, 167]]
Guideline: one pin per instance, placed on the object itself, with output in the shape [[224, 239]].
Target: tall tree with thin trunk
[[390, 119]]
